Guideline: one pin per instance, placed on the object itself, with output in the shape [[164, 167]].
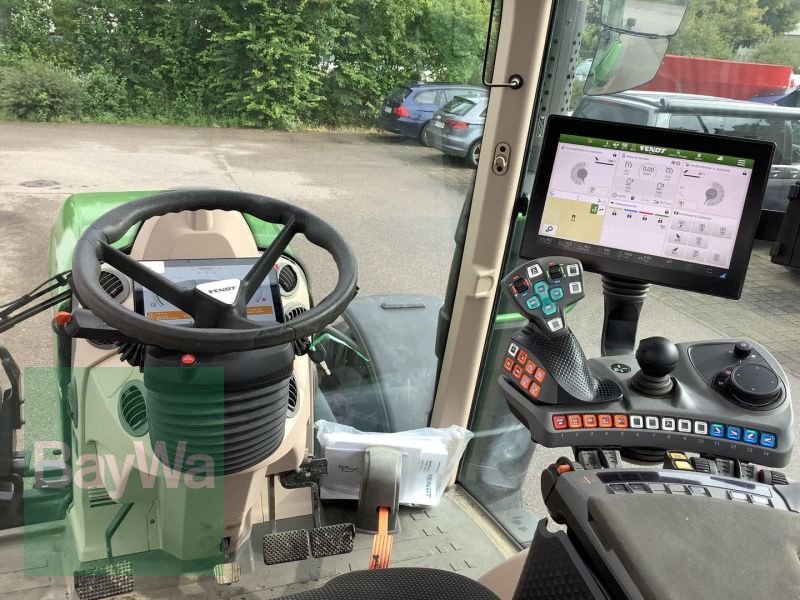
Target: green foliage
[[716, 28], [25, 30], [781, 16], [779, 51], [105, 96], [39, 92]]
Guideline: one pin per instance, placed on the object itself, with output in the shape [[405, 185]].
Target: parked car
[[457, 129], [408, 110], [721, 116]]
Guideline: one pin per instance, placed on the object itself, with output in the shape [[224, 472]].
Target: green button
[[549, 308], [533, 303], [540, 288], [556, 293]]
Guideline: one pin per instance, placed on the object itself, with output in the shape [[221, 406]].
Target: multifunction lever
[[544, 288]]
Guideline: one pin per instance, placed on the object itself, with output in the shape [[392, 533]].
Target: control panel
[[699, 414], [543, 289]]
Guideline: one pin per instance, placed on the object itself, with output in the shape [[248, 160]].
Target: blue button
[[549, 308], [533, 303], [557, 293], [750, 436], [540, 288], [768, 440], [717, 430], [734, 433]]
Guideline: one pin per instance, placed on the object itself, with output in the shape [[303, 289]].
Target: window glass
[[458, 106], [398, 95], [426, 97], [605, 111]]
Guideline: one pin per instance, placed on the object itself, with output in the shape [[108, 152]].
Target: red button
[[508, 364], [605, 421], [535, 389], [517, 372], [539, 375], [525, 381], [560, 421], [522, 357], [621, 421], [188, 359], [575, 422], [590, 421], [530, 368]]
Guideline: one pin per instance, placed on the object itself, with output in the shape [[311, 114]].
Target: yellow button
[[677, 456], [682, 465]]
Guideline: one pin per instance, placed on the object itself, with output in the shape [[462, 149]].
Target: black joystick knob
[[657, 358], [742, 349]]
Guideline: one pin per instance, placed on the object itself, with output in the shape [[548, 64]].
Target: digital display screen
[[637, 200], [649, 204], [190, 273]]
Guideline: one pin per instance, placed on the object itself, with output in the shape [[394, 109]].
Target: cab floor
[[454, 536]]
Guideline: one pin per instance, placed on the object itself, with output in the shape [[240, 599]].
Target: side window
[[607, 111], [426, 97], [483, 114]]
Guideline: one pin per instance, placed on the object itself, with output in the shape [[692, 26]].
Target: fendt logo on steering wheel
[[224, 290]]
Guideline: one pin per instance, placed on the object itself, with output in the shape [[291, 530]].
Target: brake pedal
[[332, 540], [286, 546], [104, 581]]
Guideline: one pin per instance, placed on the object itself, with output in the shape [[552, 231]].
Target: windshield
[[322, 105], [458, 106]]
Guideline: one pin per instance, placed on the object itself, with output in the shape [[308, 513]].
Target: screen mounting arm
[[624, 299]]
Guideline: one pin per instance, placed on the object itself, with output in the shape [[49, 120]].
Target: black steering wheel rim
[[94, 247]]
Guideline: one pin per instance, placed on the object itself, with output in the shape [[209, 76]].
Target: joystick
[[657, 358]]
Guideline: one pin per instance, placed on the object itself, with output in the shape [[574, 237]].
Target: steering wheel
[[219, 327]]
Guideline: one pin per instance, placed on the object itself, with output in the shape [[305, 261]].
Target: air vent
[[293, 313], [292, 397], [132, 409], [114, 285], [99, 497], [287, 278]]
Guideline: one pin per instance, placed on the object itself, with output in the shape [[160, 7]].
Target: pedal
[[286, 546], [332, 540], [227, 573], [104, 581]]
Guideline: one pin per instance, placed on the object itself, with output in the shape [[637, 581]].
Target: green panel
[[81, 210]]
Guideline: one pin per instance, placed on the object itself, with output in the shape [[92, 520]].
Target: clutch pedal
[[104, 581]]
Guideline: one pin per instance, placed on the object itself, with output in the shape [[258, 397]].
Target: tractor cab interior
[[195, 368]]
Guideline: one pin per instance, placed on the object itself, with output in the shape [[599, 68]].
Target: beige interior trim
[[521, 47], [502, 579]]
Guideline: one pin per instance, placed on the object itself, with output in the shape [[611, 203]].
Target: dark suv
[[408, 109], [721, 116]]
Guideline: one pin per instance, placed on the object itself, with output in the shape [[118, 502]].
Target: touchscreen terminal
[[664, 206]]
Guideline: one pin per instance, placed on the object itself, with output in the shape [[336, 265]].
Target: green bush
[[105, 95], [38, 92]]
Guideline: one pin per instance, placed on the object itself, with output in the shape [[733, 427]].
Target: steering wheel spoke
[[260, 270], [155, 282]]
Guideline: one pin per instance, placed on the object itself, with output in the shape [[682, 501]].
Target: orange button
[[575, 422], [62, 318], [517, 372], [559, 421], [590, 421], [522, 357], [525, 381], [530, 367], [535, 389], [539, 376], [561, 469], [621, 421], [508, 364], [605, 421]]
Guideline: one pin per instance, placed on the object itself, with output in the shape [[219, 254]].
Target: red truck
[[722, 78]]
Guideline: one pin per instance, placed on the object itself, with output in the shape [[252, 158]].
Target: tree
[[781, 16], [716, 28], [779, 51], [25, 30]]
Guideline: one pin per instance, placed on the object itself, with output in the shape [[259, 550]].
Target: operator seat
[[398, 584]]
